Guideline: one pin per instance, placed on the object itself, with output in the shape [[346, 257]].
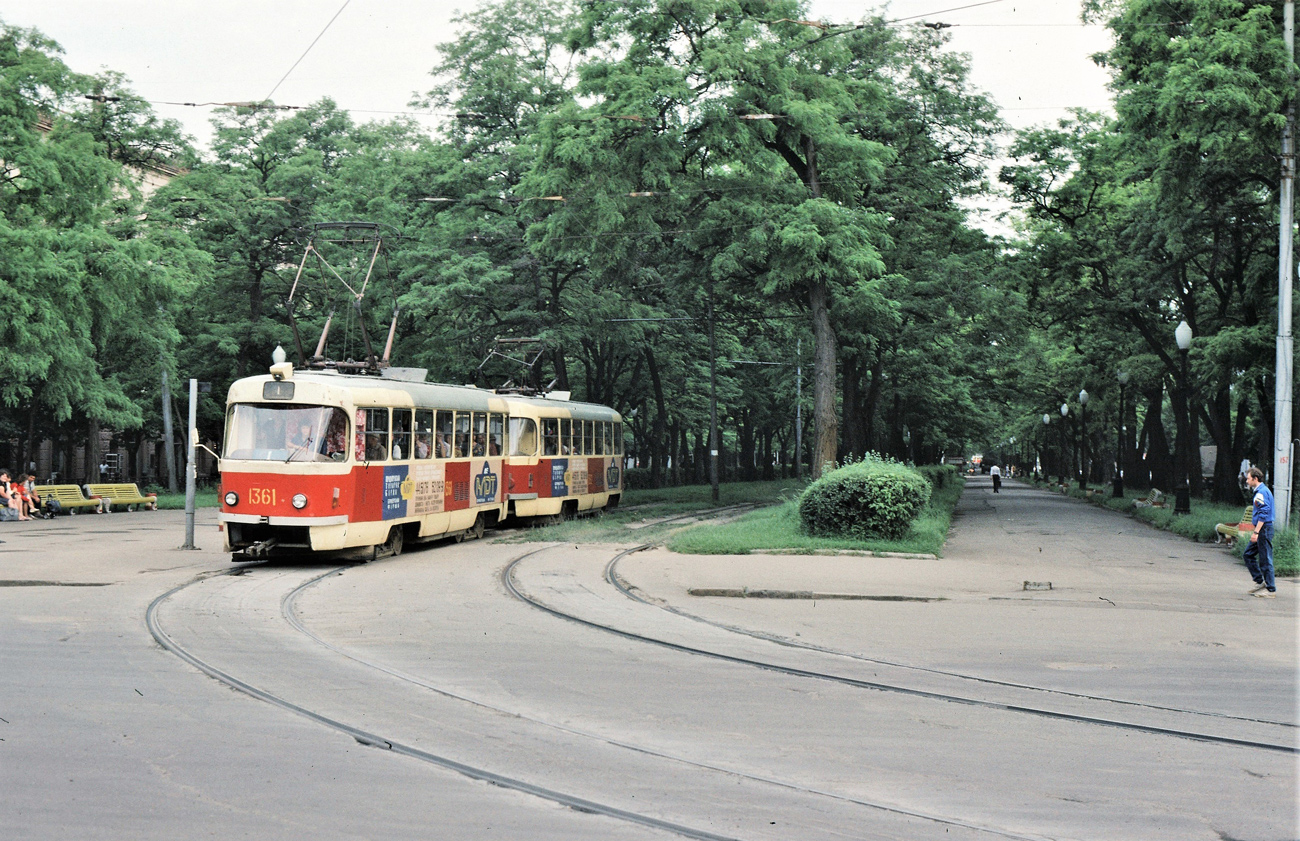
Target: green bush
[[869, 498]]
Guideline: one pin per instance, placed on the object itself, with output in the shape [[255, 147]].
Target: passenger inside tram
[[375, 450]]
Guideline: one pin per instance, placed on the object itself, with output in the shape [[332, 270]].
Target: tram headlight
[[299, 501], [232, 498]]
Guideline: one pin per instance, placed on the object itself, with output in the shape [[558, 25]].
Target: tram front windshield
[[286, 432]]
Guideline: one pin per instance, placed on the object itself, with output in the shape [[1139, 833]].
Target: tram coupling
[[259, 550]]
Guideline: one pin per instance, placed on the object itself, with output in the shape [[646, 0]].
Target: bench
[[123, 494], [1155, 499], [1229, 532], [69, 497]]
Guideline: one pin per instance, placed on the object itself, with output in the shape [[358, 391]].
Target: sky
[[1032, 56]]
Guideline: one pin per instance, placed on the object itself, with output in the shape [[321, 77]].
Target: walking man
[[1259, 554], [997, 478]]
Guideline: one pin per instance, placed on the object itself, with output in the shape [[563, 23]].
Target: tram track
[[289, 611], [378, 738], [618, 582], [371, 739], [508, 581]]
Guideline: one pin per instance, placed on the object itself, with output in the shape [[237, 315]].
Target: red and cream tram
[[324, 461]]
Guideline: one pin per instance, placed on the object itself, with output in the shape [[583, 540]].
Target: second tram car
[[324, 461]]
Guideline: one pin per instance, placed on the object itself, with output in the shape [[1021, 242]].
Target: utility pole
[[1284, 386], [798, 410], [191, 469], [713, 403], [169, 441]]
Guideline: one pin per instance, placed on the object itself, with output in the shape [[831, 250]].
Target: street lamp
[[1065, 413], [1047, 420], [1083, 434], [1183, 496], [1117, 490]]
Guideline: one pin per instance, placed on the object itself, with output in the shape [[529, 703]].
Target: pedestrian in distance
[[996, 473], [1259, 554]]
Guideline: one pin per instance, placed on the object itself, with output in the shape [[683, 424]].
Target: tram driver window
[[376, 434], [401, 434], [618, 438], [286, 432], [523, 437], [550, 436]]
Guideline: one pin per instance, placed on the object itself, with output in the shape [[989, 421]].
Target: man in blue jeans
[[1259, 554]]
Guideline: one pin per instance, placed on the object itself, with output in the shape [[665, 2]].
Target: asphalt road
[[490, 690]]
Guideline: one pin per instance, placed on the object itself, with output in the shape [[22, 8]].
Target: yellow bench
[[69, 497], [124, 494], [1155, 499], [1230, 532]]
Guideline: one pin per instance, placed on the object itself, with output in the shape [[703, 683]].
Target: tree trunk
[[657, 433], [825, 423], [1160, 461]]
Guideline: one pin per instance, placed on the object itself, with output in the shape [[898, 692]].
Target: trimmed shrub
[[869, 498]]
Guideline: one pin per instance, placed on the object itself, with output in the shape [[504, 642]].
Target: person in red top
[[11, 496]]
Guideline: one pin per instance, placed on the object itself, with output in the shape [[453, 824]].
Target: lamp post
[[1083, 435], [1065, 413], [1117, 489], [1047, 420], [1183, 496], [1014, 454]]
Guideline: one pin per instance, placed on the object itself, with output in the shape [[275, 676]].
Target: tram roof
[[433, 395]]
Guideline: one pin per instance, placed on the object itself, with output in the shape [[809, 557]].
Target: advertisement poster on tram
[[398, 489], [430, 485]]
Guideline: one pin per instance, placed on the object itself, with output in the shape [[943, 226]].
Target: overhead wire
[[267, 98]]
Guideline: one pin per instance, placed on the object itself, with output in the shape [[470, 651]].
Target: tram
[[322, 460]]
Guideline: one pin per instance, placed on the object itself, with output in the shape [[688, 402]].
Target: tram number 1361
[[261, 496]]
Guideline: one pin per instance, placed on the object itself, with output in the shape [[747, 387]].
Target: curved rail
[[613, 578], [375, 740], [507, 577], [289, 611]]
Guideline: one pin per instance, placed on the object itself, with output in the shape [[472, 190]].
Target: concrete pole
[[1285, 385], [191, 470], [169, 440], [798, 411]]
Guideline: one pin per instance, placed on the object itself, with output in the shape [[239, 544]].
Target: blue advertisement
[[485, 485], [560, 477], [398, 489]]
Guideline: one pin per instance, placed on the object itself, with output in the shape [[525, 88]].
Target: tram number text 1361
[[261, 496]]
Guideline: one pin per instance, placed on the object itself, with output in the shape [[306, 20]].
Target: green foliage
[[779, 528], [870, 498]]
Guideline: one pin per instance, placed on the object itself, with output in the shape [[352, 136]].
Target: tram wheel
[[478, 527], [393, 546]]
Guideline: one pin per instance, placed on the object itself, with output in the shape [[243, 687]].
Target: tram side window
[[444, 435], [587, 438], [372, 434], [401, 449], [609, 438], [550, 436], [598, 439], [461, 449], [423, 433], [523, 437], [566, 443], [496, 432], [618, 438], [479, 446]]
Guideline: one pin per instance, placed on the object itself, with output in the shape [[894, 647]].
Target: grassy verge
[[774, 527], [1197, 525], [779, 528], [203, 498]]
